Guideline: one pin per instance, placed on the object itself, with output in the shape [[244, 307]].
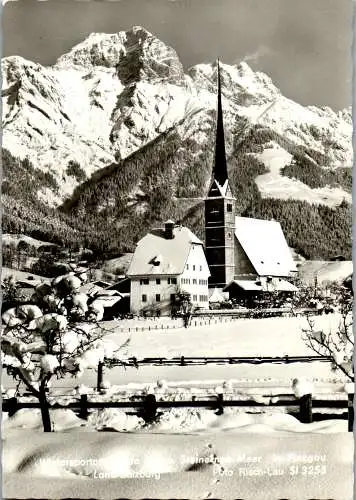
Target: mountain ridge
[[114, 95]]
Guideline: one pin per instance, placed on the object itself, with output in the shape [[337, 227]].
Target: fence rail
[[149, 405], [204, 360]]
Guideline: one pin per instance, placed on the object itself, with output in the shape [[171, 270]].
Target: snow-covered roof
[[265, 245], [218, 295], [262, 286], [156, 254]]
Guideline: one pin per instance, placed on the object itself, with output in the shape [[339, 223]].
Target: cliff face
[[114, 93]]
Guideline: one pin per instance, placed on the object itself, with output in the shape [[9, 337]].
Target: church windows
[[229, 207]]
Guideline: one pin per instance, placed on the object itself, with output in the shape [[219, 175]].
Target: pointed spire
[[220, 165]]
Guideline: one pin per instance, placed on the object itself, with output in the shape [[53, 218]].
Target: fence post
[[182, 362], [306, 409], [100, 375], [149, 408], [12, 405], [83, 406], [220, 404], [350, 411]]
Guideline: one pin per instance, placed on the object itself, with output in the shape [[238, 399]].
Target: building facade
[[167, 261]]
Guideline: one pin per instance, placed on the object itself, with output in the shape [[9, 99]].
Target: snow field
[[295, 462]]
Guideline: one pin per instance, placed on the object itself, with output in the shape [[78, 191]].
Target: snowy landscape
[[177, 282]]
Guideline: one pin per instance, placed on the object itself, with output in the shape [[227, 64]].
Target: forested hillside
[[109, 212]]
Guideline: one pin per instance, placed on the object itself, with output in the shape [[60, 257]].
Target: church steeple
[[220, 212], [220, 165]]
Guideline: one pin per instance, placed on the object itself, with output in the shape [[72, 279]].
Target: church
[[245, 256]]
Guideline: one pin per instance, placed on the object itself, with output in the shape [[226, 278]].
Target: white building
[[167, 261]]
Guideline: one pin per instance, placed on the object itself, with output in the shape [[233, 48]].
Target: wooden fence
[[230, 360], [217, 317], [148, 405], [205, 360]]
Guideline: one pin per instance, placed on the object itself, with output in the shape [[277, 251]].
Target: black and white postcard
[[176, 249]]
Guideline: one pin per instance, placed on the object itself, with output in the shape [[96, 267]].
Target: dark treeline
[[167, 178]]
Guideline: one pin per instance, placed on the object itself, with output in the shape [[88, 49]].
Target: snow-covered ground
[[274, 184], [224, 457], [18, 275], [187, 453], [243, 337], [325, 271], [15, 239]]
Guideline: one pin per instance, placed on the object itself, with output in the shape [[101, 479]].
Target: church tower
[[220, 212]]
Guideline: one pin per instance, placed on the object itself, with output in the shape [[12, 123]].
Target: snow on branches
[[56, 334], [338, 341]]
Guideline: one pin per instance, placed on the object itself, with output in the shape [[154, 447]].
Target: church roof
[[265, 246], [155, 254]]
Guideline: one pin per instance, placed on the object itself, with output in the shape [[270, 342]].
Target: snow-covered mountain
[[114, 93]]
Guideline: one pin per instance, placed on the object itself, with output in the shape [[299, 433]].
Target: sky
[[303, 45]]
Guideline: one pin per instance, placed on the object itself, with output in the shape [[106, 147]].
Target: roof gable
[[218, 191], [265, 246]]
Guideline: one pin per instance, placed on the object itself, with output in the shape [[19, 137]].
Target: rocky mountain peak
[[135, 54]]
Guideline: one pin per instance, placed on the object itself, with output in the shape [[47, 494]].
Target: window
[[194, 298], [187, 266], [229, 207], [172, 281], [200, 268], [158, 297], [193, 267], [173, 297], [144, 298], [144, 281], [194, 282], [158, 281]]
